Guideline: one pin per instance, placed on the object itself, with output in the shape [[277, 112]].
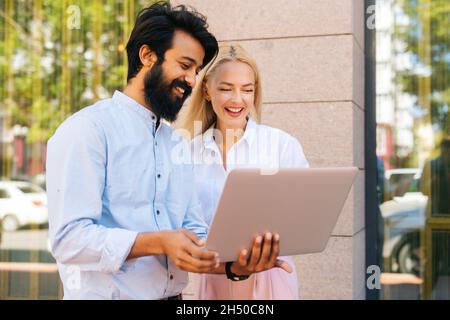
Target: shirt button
[[157, 212], [153, 117], [159, 176], [156, 143], [171, 277]]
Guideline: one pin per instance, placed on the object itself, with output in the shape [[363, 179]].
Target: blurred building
[[361, 83]]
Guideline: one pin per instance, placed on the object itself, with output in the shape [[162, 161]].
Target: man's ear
[[147, 56]]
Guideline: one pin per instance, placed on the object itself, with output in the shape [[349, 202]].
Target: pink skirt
[[274, 284]]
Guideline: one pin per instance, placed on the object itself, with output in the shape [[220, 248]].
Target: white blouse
[[261, 147]]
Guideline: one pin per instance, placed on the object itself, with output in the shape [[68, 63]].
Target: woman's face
[[231, 90]]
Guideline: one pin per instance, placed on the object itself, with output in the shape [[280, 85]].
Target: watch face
[[231, 276], [239, 278]]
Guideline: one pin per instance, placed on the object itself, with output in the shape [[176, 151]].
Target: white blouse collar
[[249, 134]]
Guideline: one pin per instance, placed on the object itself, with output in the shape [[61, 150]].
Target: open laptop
[[301, 205]]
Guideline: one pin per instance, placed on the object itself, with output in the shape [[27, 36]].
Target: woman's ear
[[206, 92]]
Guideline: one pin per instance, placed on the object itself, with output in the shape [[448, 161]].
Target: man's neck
[[137, 94]]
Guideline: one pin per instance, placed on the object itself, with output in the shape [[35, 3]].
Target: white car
[[22, 203], [404, 219]]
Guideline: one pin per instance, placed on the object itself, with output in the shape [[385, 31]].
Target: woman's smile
[[234, 111]]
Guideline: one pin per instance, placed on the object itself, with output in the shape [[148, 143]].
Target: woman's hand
[[263, 256]]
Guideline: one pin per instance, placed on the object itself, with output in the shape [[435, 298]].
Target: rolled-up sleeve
[[76, 172]]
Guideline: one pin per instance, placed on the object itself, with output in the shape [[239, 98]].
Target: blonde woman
[[223, 117]]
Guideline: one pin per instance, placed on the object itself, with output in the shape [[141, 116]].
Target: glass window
[[413, 147], [56, 57]]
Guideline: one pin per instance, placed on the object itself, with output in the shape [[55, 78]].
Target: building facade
[[311, 58], [361, 83]]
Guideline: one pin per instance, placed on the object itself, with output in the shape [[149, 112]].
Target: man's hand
[[183, 247], [263, 256]]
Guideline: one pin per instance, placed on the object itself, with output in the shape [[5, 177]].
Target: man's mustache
[[183, 85]]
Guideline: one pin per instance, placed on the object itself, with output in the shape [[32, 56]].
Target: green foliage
[[52, 64], [427, 39]]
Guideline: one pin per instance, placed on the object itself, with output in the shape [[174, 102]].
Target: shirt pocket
[[123, 183]]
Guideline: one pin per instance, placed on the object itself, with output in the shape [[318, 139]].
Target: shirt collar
[[250, 131], [248, 137], [128, 102]]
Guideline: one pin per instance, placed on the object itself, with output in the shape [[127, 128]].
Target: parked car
[[22, 203], [400, 181], [404, 217], [39, 180]]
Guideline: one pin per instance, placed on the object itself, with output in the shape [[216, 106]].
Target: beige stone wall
[[311, 57]]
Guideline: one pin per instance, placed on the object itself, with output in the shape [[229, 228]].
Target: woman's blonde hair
[[200, 109]]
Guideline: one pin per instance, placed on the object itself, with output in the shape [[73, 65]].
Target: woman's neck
[[229, 137]]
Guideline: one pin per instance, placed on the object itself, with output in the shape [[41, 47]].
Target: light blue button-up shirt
[[110, 175]]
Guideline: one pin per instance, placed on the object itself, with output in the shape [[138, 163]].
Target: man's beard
[[159, 94]]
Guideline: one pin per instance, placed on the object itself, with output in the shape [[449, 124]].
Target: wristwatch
[[232, 276]]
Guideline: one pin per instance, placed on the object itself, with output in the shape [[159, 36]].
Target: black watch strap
[[232, 276]]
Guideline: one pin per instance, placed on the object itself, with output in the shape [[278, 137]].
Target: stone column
[[311, 57]]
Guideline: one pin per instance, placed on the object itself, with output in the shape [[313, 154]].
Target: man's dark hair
[[155, 26]]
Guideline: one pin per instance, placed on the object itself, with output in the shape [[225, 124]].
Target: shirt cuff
[[202, 233], [117, 247]]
